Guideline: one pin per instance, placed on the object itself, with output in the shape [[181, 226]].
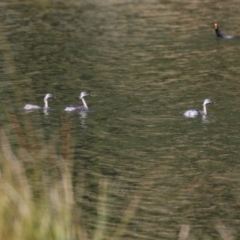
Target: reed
[[22, 215], [46, 208]]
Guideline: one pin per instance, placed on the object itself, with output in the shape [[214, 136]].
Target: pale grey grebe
[[84, 107], [35, 107], [191, 113]]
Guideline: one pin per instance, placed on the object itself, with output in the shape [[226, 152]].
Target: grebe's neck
[[84, 103], [45, 103], [204, 109], [219, 34]]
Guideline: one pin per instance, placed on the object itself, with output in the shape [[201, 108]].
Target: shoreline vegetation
[[34, 212], [46, 208]]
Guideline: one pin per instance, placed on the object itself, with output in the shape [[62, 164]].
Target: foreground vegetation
[[47, 210], [26, 215]]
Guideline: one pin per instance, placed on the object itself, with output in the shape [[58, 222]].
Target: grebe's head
[[83, 94], [207, 101], [215, 25], [48, 95]]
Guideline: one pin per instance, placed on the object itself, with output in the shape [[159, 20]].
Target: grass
[[22, 215], [47, 209]]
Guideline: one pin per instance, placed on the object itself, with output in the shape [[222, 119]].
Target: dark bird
[[221, 35]]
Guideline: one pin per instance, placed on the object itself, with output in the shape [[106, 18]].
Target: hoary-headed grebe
[[83, 107], [191, 113], [34, 107]]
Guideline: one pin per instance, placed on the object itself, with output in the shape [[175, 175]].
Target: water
[[144, 63]]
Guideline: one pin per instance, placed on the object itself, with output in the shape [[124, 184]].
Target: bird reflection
[[83, 116], [205, 119], [45, 111]]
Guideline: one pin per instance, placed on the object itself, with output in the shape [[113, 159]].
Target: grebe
[[34, 107], [191, 113], [84, 107], [221, 35]]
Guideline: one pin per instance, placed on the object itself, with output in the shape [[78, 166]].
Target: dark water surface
[[144, 63]]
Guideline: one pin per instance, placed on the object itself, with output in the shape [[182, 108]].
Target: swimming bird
[[191, 113], [83, 107], [221, 35], [35, 107]]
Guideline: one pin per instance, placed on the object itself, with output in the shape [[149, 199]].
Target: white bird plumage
[[35, 107], [191, 113], [83, 107]]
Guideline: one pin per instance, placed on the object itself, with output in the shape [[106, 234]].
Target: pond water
[[144, 63]]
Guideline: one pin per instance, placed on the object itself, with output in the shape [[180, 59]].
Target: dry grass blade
[[24, 217], [224, 232], [101, 209], [133, 205], [184, 232]]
